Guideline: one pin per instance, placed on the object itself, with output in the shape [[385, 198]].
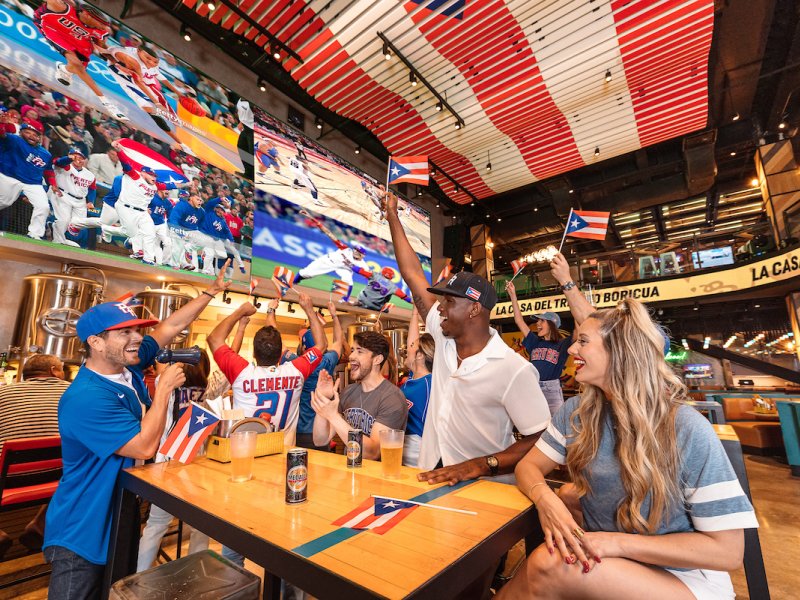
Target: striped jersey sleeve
[[553, 442], [714, 497]]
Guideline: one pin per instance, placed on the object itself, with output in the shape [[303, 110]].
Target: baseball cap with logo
[[108, 316], [467, 285], [146, 169], [35, 125], [76, 150], [549, 316]]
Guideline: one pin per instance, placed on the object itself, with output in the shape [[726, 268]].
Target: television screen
[[697, 371], [82, 98], [324, 253], [295, 168], [714, 257]]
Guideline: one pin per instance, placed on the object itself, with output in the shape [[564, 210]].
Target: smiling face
[[117, 347], [149, 177], [543, 328], [362, 362], [31, 136], [455, 313], [592, 360], [78, 160]]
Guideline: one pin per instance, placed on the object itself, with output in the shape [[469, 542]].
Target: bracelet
[[568, 286], [270, 310], [530, 490], [207, 294]]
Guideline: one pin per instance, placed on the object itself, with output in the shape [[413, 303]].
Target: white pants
[[137, 222], [68, 210], [108, 216], [212, 249], [325, 264], [164, 246], [231, 248], [10, 190], [157, 524], [411, 444]]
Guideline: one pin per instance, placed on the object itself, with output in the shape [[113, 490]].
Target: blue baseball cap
[[108, 316], [76, 150], [146, 169], [29, 126], [359, 248], [183, 194], [548, 316], [307, 338]]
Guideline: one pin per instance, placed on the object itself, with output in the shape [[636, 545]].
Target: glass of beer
[[392, 452], [243, 451]]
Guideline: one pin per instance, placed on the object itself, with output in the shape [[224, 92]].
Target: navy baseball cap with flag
[[467, 285], [108, 316]]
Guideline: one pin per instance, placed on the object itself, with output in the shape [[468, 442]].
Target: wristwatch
[[567, 286], [270, 310], [493, 464]]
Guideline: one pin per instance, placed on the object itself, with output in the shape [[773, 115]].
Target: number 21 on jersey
[[276, 405]]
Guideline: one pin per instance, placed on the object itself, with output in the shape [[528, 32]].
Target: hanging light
[[211, 6], [736, 116], [597, 151], [412, 77], [608, 75], [457, 124], [357, 150], [262, 85], [489, 161], [318, 123], [185, 33], [387, 54], [456, 189], [275, 50], [439, 107]]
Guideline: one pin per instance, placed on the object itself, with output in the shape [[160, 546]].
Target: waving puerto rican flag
[[410, 169], [588, 224], [140, 156], [189, 433]]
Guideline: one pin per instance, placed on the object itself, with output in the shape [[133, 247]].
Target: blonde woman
[[417, 388], [662, 510]]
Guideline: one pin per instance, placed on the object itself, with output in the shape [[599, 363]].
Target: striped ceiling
[[528, 77]]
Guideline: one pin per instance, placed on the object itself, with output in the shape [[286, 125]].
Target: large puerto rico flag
[[141, 156]]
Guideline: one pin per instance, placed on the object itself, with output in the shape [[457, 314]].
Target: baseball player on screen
[[379, 289], [73, 194], [184, 221], [160, 208], [75, 35], [26, 165], [216, 226], [342, 261]]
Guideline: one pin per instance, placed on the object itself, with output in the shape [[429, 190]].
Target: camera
[[189, 356]]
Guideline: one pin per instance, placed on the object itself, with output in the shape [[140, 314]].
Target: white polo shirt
[[474, 407]]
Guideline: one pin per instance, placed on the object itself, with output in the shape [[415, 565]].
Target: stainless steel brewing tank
[[50, 307], [359, 326], [398, 338], [160, 304]]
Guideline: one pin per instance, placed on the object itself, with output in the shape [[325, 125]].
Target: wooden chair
[[30, 469]]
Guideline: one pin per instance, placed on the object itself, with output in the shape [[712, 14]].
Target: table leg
[[272, 587], [124, 543]]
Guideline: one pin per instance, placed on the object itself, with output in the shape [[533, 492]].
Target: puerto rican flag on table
[[409, 169], [376, 514], [588, 224], [188, 434]]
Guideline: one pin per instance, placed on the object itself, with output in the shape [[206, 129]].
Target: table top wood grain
[[392, 565]]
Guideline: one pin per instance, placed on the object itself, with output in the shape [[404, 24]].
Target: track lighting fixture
[[488, 161], [357, 150], [387, 54], [275, 50], [185, 33], [262, 85], [597, 151], [456, 189], [439, 107], [608, 75], [318, 123], [211, 6], [457, 124], [412, 77]]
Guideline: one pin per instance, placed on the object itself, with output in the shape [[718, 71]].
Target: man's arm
[[407, 260], [220, 333], [238, 338], [520, 322], [338, 333], [579, 306], [477, 467], [170, 327], [317, 330], [145, 443], [323, 431], [412, 339]]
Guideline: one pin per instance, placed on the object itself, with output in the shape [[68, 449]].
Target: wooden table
[[760, 416], [429, 554]]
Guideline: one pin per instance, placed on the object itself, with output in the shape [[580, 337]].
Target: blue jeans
[[73, 577]]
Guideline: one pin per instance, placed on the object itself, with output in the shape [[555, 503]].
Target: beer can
[[354, 449], [296, 476]]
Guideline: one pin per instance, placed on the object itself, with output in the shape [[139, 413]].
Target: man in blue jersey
[[107, 420], [26, 164], [160, 208], [184, 222], [216, 226]]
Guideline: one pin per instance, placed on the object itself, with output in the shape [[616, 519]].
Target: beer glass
[[243, 451], [392, 452]]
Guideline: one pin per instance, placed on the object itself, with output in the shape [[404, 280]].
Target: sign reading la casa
[[703, 283]]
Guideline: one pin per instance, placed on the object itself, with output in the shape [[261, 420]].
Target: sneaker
[[106, 237], [137, 255], [187, 267], [63, 76], [148, 262], [243, 270], [113, 110], [68, 243]]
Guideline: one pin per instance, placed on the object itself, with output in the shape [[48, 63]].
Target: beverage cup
[[243, 451], [392, 452]]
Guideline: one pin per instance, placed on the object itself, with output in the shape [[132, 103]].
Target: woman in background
[[417, 388]]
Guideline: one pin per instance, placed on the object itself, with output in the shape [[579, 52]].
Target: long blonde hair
[[645, 396]]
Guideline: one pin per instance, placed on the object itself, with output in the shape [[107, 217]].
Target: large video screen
[[327, 254], [109, 143], [293, 167]]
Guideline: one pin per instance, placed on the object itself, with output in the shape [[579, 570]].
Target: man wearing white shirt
[[480, 388]]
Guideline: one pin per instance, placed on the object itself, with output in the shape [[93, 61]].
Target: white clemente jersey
[[272, 392], [73, 182], [136, 192]]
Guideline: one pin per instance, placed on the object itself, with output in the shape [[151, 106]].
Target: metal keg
[[363, 324], [398, 339], [160, 303], [50, 306]]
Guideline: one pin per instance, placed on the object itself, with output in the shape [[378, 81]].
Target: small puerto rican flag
[[376, 514], [473, 293], [282, 278], [518, 265], [410, 169], [188, 434], [588, 224], [340, 288], [253, 285]]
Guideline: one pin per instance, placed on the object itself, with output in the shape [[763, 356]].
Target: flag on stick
[[445, 273], [253, 285], [188, 434], [340, 288], [409, 169], [377, 514], [282, 278], [588, 224]]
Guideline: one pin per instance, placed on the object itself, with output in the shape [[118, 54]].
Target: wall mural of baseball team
[[109, 143]]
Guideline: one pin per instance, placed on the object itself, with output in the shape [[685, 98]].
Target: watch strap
[[567, 286], [492, 463]]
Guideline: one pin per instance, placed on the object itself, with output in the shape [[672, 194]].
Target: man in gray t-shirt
[[371, 404]]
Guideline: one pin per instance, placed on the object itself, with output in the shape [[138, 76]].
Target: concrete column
[[780, 183]]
